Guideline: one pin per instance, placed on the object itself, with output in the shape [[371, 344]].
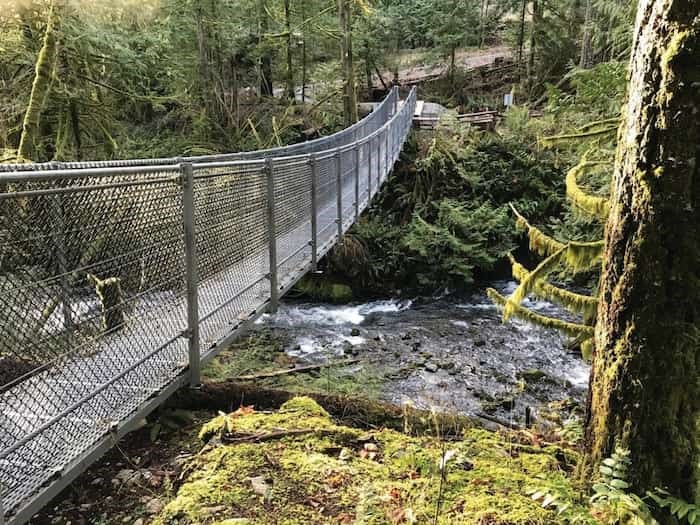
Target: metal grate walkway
[[119, 279]]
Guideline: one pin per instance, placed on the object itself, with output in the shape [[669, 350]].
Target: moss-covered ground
[[297, 466]]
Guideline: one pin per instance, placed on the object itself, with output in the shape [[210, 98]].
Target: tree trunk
[[40, 89], [645, 388], [521, 38], [349, 95], [533, 46], [303, 55], [585, 60], [266, 89], [291, 95], [483, 17]]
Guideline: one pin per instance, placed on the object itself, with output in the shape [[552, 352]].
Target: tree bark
[[266, 89], [521, 38], [585, 59], [291, 95], [531, 73], [40, 88], [645, 387], [349, 95]]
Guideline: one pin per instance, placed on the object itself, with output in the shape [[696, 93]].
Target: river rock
[[355, 332], [431, 367]]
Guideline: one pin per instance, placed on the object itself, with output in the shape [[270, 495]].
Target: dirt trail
[[465, 59]]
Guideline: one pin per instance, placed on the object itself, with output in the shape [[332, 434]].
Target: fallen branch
[[296, 370], [259, 437]]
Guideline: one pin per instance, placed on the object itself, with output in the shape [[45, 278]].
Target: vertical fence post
[[369, 171], [379, 161], [314, 214], [386, 152], [339, 184], [357, 182], [191, 272], [272, 235]]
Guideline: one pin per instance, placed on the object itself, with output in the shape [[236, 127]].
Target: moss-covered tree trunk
[[40, 88], [646, 377]]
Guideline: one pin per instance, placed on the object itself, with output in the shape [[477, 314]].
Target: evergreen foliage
[[444, 223]]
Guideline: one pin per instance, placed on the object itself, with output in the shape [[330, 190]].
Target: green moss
[[304, 406], [320, 288], [337, 473]]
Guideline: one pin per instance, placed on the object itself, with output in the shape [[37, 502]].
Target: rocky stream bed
[[448, 354]]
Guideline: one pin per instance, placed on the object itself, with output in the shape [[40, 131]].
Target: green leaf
[[601, 488], [619, 484], [606, 471], [548, 500], [610, 462], [684, 510]]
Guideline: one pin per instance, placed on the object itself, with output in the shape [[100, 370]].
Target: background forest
[[169, 77]]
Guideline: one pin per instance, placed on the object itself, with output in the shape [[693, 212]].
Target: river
[[448, 354]]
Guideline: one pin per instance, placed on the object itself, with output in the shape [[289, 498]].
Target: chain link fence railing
[[118, 279]]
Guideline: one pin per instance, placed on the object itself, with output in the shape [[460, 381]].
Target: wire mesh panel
[[326, 190], [292, 190], [113, 280], [232, 245], [91, 280]]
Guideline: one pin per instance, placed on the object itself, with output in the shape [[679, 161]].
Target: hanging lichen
[[540, 243], [529, 281], [597, 207], [585, 305], [578, 256], [40, 88], [571, 329]]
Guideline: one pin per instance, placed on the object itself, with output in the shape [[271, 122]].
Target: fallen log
[[228, 395], [296, 370]]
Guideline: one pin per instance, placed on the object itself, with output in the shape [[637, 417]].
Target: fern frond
[[598, 207], [585, 305], [571, 329]]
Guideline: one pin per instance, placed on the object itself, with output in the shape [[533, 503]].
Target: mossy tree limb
[[578, 256], [585, 305], [598, 207], [571, 329], [645, 388], [40, 88]]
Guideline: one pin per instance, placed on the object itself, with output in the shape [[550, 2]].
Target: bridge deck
[[58, 418]]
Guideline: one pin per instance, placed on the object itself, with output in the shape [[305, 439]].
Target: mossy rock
[[319, 288], [316, 471]]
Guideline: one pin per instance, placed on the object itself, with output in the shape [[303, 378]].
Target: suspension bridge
[[120, 279]]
